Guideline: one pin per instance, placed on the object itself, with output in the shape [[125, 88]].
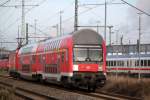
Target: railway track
[[33, 95], [24, 93]]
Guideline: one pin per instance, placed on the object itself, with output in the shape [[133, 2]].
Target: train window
[[33, 58], [130, 63], [118, 64], [122, 63], [127, 63], [135, 63], [149, 63], [145, 63], [111, 63], [88, 54], [142, 62], [62, 56], [67, 55], [106, 63], [114, 63], [21, 60]]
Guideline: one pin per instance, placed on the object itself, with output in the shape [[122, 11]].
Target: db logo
[[87, 67]]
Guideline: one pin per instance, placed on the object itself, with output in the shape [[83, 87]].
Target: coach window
[[33, 59], [148, 62], [62, 56], [67, 55], [131, 63], [127, 63], [145, 63], [107, 63], [110, 63], [142, 62], [135, 63], [122, 63], [114, 63], [21, 60]]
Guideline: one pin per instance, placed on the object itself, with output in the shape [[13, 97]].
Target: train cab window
[[87, 54]]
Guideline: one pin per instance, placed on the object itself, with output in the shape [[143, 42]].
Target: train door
[[64, 61], [58, 63]]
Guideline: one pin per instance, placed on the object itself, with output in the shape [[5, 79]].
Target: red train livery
[[4, 64], [77, 59]]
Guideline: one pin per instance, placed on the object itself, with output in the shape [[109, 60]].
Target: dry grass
[[5, 95], [128, 86]]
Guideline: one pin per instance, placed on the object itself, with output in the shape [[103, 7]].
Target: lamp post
[[56, 26], [139, 45], [98, 22]]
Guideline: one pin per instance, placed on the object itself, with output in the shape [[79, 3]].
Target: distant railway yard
[[120, 89]]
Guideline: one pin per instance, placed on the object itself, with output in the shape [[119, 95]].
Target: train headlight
[[100, 68], [75, 67]]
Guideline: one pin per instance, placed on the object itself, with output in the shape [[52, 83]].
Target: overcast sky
[[122, 17]]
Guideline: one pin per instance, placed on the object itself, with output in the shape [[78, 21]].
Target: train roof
[[30, 48], [87, 36], [135, 56], [83, 36]]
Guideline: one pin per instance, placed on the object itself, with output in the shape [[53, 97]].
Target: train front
[[89, 59]]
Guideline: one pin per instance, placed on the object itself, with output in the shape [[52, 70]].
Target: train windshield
[[87, 54]]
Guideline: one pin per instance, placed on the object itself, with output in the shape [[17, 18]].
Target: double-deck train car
[[13, 63], [129, 64], [77, 59], [4, 64]]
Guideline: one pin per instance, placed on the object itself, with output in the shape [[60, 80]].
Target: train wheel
[[91, 88], [40, 79], [17, 76], [64, 82]]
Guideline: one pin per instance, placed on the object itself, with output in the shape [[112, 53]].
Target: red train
[[77, 59], [4, 64]]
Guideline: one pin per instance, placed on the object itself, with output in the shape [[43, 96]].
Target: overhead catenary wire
[[12, 24], [32, 26], [58, 12], [5, 2], [64, 21], [87, 10], [136, 8]]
